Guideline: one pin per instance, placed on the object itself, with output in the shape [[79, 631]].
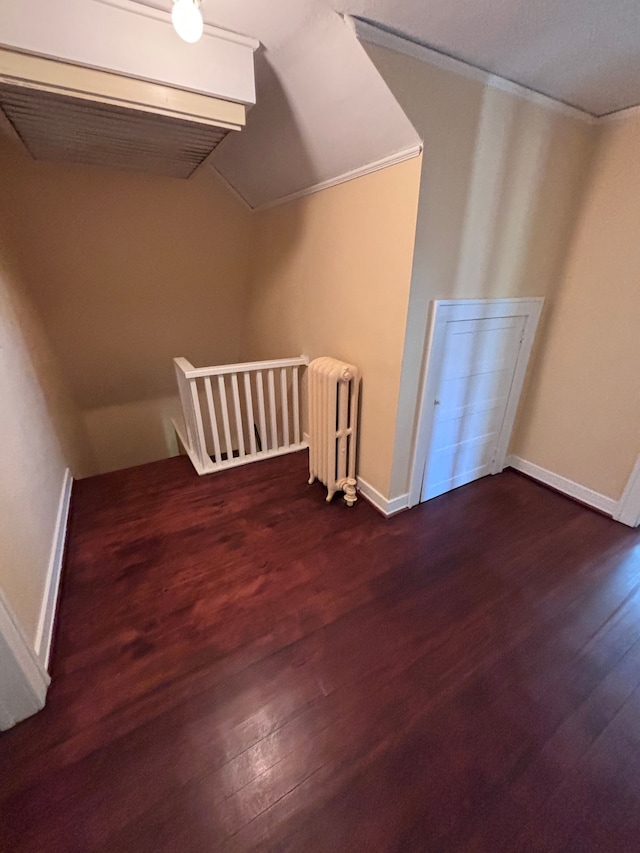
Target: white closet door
[[473, 383]]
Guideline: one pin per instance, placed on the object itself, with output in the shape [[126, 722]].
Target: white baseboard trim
[[628, 509], [23, 688], [384, 506], [44, 634], [562, 484]]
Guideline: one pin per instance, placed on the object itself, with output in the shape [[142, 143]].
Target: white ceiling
[[583, 52], [323, 111]]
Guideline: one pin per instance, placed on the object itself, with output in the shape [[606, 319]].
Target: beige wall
[[38, 421], [501, 183], [129, 434], [331, 276], [583, 417], [128, 271]]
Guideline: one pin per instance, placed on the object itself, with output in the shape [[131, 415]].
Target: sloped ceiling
[[322, 109], [585, 53]]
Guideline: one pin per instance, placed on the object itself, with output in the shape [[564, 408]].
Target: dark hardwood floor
[[239, 666]]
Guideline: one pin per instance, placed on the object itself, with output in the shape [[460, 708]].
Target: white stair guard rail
[[239, 413]]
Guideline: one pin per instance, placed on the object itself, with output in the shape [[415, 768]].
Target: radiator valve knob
[[348, 486]]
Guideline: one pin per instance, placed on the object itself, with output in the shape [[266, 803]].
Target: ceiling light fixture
[[187, 20]]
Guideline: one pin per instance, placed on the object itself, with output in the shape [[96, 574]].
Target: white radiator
[[333, 388]]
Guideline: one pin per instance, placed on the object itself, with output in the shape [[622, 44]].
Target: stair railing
[[239, 413]]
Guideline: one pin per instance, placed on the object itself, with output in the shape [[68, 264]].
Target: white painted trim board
[[603, 503], [44, 633], [367, 169], [159, 13], [382, 504], [23, 678], [628, 508]]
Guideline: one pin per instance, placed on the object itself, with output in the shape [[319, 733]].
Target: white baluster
[[236, 408], [185, 398], [285, 406], [201, 445], [272, 410], [296, 405], [217, 453], [249, 402], [225, 417], [261, 412]]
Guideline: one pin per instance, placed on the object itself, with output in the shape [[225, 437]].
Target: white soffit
[[76, 130], [69, 113], [132, 39], [584, 53]]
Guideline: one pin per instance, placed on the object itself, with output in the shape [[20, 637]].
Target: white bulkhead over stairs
[[64, 112], [96, 83]]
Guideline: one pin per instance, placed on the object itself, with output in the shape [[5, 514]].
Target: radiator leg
[[312, 479], [348, 486]]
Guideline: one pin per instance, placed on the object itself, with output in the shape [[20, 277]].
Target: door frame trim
[[441, 312]]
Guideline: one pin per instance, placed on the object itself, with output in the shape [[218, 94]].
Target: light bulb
[[187, 20]]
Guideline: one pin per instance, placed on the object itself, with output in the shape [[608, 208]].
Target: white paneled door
[[479, 361], [477, 358]]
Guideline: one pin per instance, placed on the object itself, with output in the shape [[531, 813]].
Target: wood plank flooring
[[240, 666]]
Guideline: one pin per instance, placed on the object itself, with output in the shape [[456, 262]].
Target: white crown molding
[[373, 34], [563, 484], [375, 166], [151, 10]]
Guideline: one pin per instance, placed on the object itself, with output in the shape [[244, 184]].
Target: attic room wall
[[127, 271], [501, 183], [583, 421], [331, 276], [40, 435]]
